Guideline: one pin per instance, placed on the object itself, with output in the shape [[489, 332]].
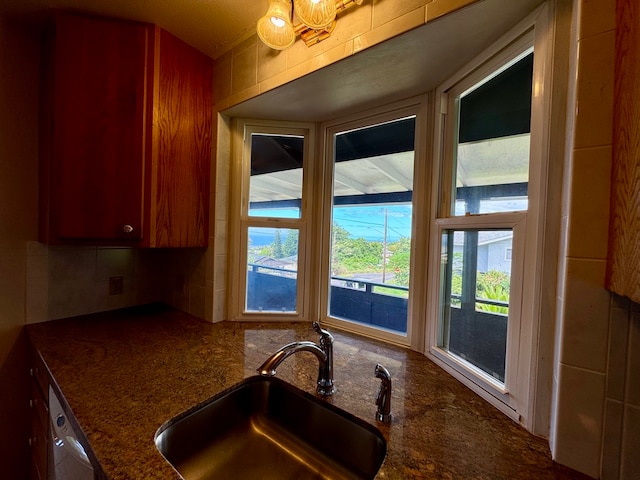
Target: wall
[[217, 280], [69, 281], [596, 415], [621, 438], [18, 223], [621, 435], [252, 68]]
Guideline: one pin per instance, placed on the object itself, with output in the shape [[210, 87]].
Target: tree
[[398, 262], [290, 245], [339, 234], [277, 245], [356, 255]]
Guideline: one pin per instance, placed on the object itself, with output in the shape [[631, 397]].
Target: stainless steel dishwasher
[[67, 457]]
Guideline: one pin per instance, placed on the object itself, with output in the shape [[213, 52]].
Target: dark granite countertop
[[123, 374]]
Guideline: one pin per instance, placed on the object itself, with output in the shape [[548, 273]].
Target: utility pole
[[384, 248]]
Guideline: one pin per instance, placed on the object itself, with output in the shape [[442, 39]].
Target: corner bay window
[[403, 229]]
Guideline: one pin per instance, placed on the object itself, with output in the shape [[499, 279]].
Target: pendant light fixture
[[316, 14], [275, 28], [317, 21]]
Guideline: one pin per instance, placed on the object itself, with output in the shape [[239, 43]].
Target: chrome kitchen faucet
[[323, 352]]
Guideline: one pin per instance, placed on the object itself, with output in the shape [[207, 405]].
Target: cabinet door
[[183, 110], [98, 152]]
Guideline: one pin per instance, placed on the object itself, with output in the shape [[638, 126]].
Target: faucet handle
[[324, 334]]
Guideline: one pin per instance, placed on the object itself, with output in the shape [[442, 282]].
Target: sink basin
[[267, 428]]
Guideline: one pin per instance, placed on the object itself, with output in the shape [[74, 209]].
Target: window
[[273, 216], [344, 256], [371, 224], [423, 233], [507, 254], [481, 222]]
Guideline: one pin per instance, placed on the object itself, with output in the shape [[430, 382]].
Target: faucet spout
[[323, 352], [268, 368]]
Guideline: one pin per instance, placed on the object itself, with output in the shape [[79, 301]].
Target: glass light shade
[[275, 28], [316, 14]]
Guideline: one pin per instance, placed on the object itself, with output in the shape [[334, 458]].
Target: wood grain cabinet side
[[125, 142], [623, 274]]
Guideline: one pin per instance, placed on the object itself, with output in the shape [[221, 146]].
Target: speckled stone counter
[[123, 374]]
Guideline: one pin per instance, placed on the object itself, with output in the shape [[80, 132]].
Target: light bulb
[[275, 28], [278, 22]]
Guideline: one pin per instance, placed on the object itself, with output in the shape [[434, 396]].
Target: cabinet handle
[[127, 229]]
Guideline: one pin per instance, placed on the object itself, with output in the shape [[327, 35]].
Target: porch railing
[[274, 289]]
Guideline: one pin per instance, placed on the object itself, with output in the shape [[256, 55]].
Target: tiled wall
[[596, 418], [252, 68], [216, 280], [621, 439], [70, 281]]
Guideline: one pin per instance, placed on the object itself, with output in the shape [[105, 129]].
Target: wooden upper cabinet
[[125, 136], [623, 274]]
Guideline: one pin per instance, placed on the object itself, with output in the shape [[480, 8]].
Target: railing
[[255, 267], [271, 292], [477, 336], [368, 286], [480, 337], [484, 301], [274, 289]]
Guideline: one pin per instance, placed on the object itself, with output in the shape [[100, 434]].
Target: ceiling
[[212, 26], [407, 65]]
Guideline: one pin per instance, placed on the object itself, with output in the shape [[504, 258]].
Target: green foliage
[[494, 292], [492, 279], [290, 245], [391, 291], [277, 245], [399, 261], [351, 255], [356, 255], [491, 285], [338, 233]]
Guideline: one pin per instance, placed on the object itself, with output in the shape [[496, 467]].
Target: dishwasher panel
[[67, 459]]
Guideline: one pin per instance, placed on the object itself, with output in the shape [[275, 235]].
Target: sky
[[361, 222]]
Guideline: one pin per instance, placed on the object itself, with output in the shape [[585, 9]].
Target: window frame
[[519, 400], [240, 221], [516, 221], [418, 107]]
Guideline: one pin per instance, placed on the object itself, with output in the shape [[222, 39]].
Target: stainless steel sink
[[268, 429]]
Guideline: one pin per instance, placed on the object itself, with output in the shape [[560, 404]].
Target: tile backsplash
[[69, 281], [621, 436]]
